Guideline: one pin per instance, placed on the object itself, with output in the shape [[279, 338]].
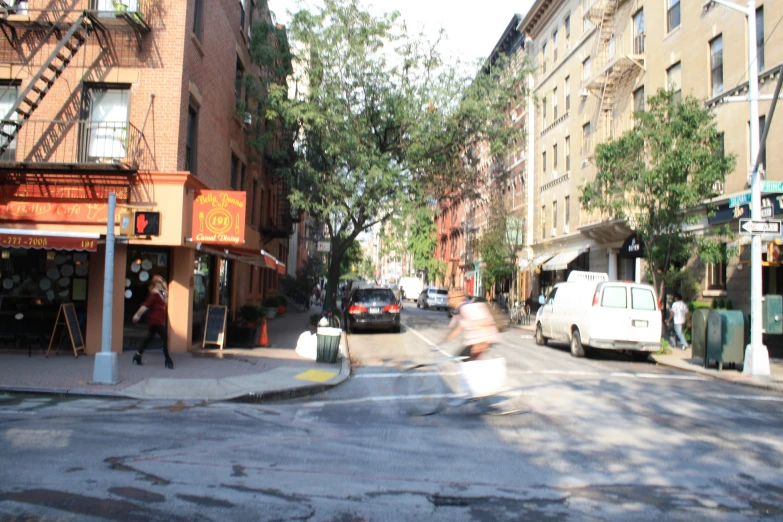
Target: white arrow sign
[[748, 226]]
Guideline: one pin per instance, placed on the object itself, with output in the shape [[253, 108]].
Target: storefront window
[[43, 278], [202, 293], [225, 283], [142, 263]]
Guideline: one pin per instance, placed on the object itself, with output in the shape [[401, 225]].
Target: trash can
[[699, 333], [728, 332], [328, 344]]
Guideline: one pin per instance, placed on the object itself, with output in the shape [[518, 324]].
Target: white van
[[590, 311], [410, 288]]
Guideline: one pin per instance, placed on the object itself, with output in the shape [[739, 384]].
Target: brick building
[[147, 99]]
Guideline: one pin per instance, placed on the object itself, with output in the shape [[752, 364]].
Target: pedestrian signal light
[[146, 224]]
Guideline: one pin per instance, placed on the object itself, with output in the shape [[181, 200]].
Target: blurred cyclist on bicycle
[[475, 322]]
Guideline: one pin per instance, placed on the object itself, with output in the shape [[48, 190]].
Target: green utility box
[[728, 332], [328, 344], [699, 333], [773, 314]]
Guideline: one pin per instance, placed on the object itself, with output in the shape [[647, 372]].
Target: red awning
[[270, 261], [281, 269], [243, 255], [48, 240]]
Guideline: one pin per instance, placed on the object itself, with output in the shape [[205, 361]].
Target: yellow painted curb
[[315, 375]]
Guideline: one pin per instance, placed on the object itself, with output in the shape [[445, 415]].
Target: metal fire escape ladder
[[40, 84]]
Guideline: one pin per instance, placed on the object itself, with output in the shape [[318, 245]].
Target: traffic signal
[[146, 224]]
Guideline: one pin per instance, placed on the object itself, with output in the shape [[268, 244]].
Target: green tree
[[422, 241], [656, 175], [351, 259], [498, 243], [378, 117]]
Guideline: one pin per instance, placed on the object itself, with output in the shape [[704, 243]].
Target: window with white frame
[[586, 69], [716, 65], [554, 214], [638, 99], [554, 156], [674, 80], [567, 31], [567, 210], [106, 129], [673, 15], [760, 37], [554, 45], [543, 57], [8, 94], [568, 93], [568, 153], [554, 103]]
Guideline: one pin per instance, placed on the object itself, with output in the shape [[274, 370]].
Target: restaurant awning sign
[[219, 217], [633, 247]]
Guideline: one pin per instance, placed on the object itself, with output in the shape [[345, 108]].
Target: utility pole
[[106, 368], [756, 354]]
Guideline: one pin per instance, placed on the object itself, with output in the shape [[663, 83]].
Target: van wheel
[[540, 339], [577, 350]]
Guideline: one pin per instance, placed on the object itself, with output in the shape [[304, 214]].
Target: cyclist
[[478, 328]]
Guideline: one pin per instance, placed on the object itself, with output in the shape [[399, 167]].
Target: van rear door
[[645, 319], [613, 319]]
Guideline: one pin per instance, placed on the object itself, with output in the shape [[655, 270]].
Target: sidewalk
[[682, 359], [251, 374]]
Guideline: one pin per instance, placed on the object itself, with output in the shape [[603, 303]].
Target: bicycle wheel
[[420, 390]]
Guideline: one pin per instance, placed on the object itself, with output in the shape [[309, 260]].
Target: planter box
[[242, 336]]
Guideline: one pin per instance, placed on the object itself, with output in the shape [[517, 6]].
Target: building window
[[567, 29], [106, 110], [586, 24], [543, 161], [554, 46], [250, 13], [554, 214], [543, 109], [568, 153], [586, 69], [673, 15], [586, 138], [716, 273], [638, 99], [638, 32], [567, 210], [239, 79], [234, 172], [198, 18], [716, 65], [8, 95], [191, 140], [242, 14], [568, 93], [554, 156], [253, 201], [543, 222], [760, 37], [674, 81], [543, 56], [554, 104], [720, 151]]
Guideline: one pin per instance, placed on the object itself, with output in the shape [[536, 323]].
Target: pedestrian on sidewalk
[[680, 315], [156, 308]]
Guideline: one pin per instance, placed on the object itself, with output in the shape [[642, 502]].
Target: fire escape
[[282, 215], [44, 42], [617, 52]]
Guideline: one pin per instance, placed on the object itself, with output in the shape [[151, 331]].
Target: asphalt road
[[594, 439]]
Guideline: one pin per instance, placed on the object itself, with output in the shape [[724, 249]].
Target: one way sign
[[748, 226]]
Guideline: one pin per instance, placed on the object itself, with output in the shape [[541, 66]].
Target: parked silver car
[[433, 297]]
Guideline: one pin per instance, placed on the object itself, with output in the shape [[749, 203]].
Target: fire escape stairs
[[38, 87]]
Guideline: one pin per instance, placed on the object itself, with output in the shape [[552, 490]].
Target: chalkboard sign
[[67, 320], [215, 327]]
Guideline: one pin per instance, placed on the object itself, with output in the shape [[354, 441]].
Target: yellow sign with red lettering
[[219, 217]]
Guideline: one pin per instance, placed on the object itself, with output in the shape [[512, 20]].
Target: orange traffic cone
[[264, 339]]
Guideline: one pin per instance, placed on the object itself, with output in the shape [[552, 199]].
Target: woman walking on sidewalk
[[155, 307]]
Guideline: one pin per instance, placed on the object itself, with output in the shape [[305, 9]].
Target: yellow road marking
[[316, 375]]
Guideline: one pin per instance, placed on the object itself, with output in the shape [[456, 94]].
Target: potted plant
[[271, 303], [250, 314], [282, 304]]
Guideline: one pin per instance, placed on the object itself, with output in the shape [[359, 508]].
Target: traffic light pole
[[107, 369]]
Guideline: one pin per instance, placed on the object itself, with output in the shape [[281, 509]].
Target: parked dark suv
[[372, 308]]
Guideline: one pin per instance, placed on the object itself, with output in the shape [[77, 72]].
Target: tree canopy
[[656, 175], [379, 119]]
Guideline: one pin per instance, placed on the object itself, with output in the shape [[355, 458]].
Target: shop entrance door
[[142, 263]]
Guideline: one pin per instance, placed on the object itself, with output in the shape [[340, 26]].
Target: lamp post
[[756, 354], [106, 367]]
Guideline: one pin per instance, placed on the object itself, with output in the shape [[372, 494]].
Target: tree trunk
[[333, 278]]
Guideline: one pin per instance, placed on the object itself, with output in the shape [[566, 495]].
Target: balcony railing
[[134, 13], [61, 144]]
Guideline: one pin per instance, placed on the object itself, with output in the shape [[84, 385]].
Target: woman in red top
[[156, 309]]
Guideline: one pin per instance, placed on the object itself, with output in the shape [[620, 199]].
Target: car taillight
[[356, 309], [595, 299], [395, 309]]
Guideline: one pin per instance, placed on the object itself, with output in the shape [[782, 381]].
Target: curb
[[769, 386]]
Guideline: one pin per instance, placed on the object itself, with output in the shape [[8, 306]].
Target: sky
[[472, 29]]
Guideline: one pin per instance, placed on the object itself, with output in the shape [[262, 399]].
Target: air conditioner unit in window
[[554, 231], [584, 93], [718, 188], [565, 229], [248, 119]]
